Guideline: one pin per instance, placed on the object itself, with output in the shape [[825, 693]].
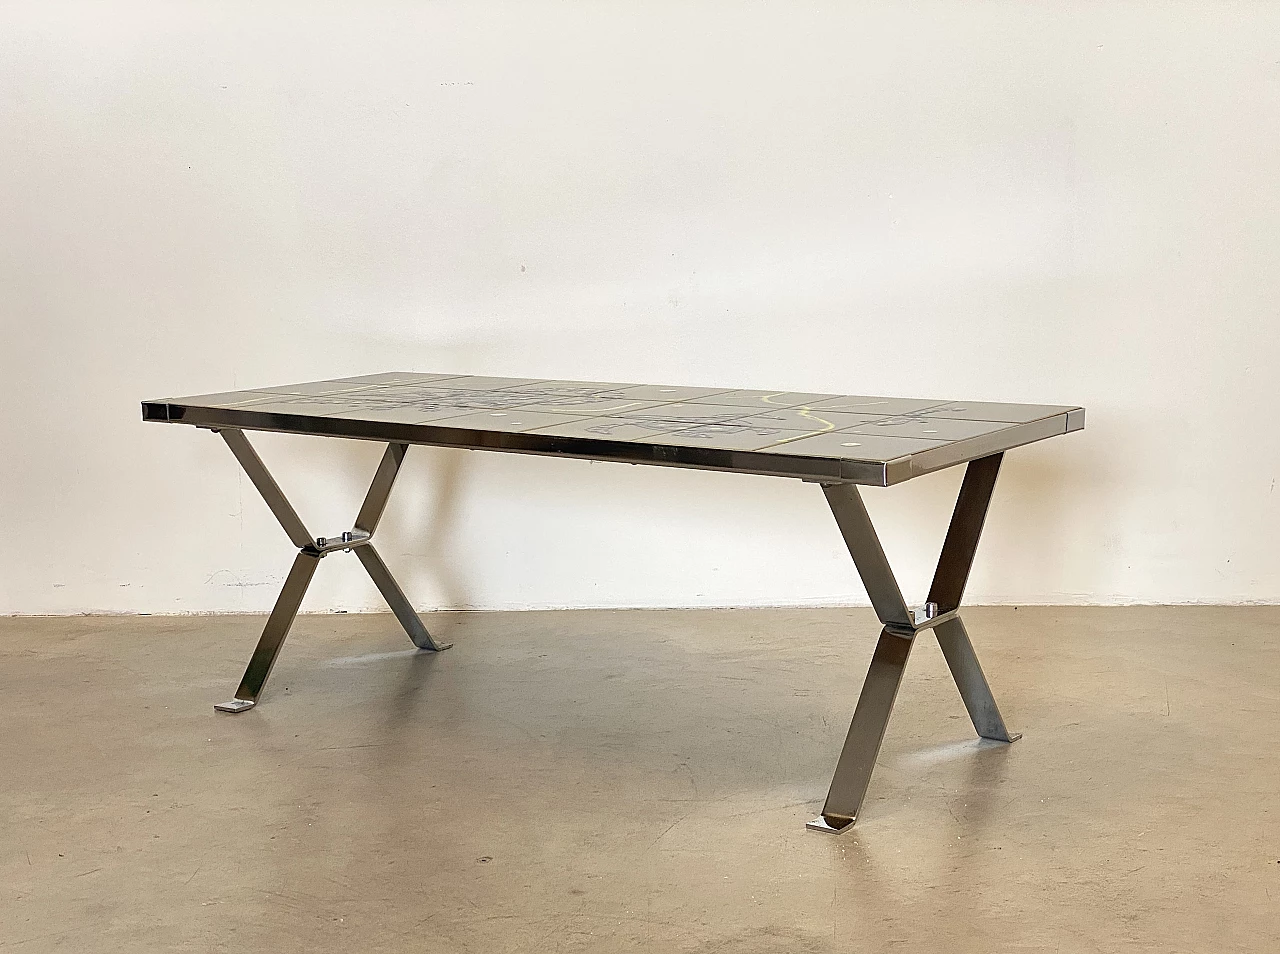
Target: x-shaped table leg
[[311, 550], [901, 626]]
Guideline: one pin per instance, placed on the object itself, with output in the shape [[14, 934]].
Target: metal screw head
[[321, 542], [347, 536]]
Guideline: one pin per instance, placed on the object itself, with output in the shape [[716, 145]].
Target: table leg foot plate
[[830, 827]]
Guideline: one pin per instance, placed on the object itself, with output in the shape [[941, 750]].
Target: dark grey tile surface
[[857, 446], [764, 399], [989, 411], [662, 392], [880, 406], [810, 420], [515, 420], [684, 412], [927, 427], [603, 428]]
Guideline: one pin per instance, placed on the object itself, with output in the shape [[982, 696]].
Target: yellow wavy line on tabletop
[[806, 412]]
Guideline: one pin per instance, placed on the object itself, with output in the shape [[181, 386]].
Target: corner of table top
[[904, 468], [156, 411]]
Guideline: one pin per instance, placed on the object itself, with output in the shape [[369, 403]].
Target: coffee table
[[834, 440]]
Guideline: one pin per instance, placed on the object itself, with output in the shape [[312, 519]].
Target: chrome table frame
[[901, 623], [311, 550]]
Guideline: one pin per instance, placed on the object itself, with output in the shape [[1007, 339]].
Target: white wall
[[1055, 202]]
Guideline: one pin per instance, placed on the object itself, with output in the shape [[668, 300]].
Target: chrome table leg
[[972, 683], [947, 590], [901, 626], [866, 732], [396, 599], [310, 552], [375, 502], [277, 628]]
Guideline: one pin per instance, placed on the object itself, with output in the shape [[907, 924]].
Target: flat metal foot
[[832, 826], [235, 705]]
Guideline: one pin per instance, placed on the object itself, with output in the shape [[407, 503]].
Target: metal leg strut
[[396, 599], [901, 626], [310, 552]]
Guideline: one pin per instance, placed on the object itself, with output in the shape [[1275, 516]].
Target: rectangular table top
[[823, 437]]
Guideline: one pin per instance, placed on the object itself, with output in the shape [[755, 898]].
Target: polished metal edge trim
[[439, 435], [761, 463]]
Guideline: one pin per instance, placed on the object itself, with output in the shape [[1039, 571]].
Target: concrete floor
[[638, 781]]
